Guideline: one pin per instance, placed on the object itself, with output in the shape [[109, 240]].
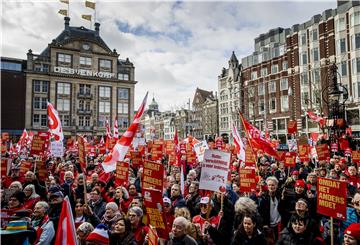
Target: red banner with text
[[122, 173], [153, 175], [247, 180]]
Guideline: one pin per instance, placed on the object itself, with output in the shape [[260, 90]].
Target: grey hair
[[17, 183], [182, 221], [69, 173], [272, 178], [245, 205], [192, 171], [45, 205], [138, 211]]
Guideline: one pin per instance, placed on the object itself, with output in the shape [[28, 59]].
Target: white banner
[[57, 148], [200, 150], [214, 170]]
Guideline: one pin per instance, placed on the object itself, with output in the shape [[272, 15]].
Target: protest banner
[[249, 157], [122, 173], [41, 169], [290, 159], [214, 171], [356, 157], [169, 147], [57, 148], [331, 198], [39, 143], [157, 150], [136, 159], [153, 237], [153, 175], [304, 150], [25, 166], [190, 154], [200, 150], [173, 160], [154, 204], [247, 180], [322, 152], [292, 127]]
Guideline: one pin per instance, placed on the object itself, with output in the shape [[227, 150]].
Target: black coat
[[129, 239], [240, 238], [288, 237], [264, 207]]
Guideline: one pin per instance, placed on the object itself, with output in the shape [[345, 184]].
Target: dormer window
[[64, 59], [104, 65], [85, 61]]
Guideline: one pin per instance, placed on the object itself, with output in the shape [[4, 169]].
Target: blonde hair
[[183, 212]]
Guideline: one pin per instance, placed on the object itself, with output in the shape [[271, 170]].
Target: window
[[104, 92], [102, 120], [251, 109], [355, 65], [341, 46], [355, 41], [340, 24], [261, 89], [343, 69], [285, 65], [274, 69], [123, 122], [272, 87], [315, 77], [104, 107], [41, 86], [63, 88], [253, 75], [105, 64], [315, 54], [64, 58], [304, 58], [284, 103], [65, 120], [123, 108], [123, 93], [261, 106], [304, 80], [251, 91], [272, 104], [353, 117], [39, 120], [6, 65], [356, 89], [314, 34], [263, 72], [63, 105], [81, 121], [84, 89], [355, 19], [87, 121], [40, 103], [303, 39], [275, 52], [304, 98], [85, 61], [281, 124], [284, 84], [123, 76]]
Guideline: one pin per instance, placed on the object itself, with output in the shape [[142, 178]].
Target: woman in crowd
[[31, 198], [248, 232], [83, 232], [140, 230], [111, 216], [122, 234]]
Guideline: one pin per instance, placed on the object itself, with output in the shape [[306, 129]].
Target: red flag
[[240, 148], [120, 149], [107, 125], [257, 141], [66, 233], [54, 123], [116, 130], [21, 143], [102, 140], [316, 118]]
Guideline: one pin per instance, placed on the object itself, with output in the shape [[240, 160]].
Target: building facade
[[84, 79]]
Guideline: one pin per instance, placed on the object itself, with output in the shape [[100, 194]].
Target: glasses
[[356, 203]]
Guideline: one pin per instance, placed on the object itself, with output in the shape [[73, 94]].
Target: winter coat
[[129, 239], [240, 238], [98, 207], [288, 237]]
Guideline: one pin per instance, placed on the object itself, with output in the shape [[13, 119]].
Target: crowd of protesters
[[281, 210]]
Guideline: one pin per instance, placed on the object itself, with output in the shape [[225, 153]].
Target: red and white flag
[[102, 140], [108, 132], [22, 141], [122, 145], [316, 118], [116, 131], [238, 143], [54, 123], [66, 232]]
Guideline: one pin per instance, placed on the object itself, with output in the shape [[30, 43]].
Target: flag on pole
[[22, 141], [238, 143], [54, 123], [102, 140], [65, 1], [116, 130], [122, 145], [316, 118], [63, 12], [89, 4], [66, 233], [108, 132], [86, 16]]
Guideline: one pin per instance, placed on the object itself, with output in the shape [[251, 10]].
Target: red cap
[[295, 172], [300, 183], [353, 230]]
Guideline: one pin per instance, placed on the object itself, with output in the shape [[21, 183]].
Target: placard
[[153, 175], [169, 147], [247, 180], [157, 150], [290, 159], [214, 171], [331, 198], [24, 167], [136, 159], [122, 173], [292, 127], [356, 157], [57, 148], [322, 152], [249, 157], [41, 169], [199, 149], [38, 144], [304, 151]]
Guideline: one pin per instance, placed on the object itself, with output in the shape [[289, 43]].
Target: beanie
[[300, 183], [113, 206], [99, 235], [353, 230]]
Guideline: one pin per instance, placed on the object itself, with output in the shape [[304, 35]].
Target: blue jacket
[[351, 217]]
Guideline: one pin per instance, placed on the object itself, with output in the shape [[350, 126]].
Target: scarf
[[39, 230]]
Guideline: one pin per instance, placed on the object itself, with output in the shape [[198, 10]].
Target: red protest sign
[[153, 173], [153, 237], [191, 157], [304, 151], [249, 157], [290, 159], [292, 127], [334, 147], [169, 147], [322, 152], [5, 165], [136, 159], [173, 160], [39, 143], [154, 203], [24, 167], [356, 157], [82, 152], [41, 169], [157, 150], [331, 198], [247, 180], [122, 173]]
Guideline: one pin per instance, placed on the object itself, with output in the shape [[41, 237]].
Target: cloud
[[175, 46]]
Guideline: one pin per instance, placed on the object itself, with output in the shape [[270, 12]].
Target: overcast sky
[[176, 46]]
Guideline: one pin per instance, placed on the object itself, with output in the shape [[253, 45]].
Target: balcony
[[84, 112], [84, 96]]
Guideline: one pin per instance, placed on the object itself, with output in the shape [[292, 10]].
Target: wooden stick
[[332, 230], [249, 141]]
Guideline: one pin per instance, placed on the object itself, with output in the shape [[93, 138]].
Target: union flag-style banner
[[153, 175], [82, 152], [292, 127], [322, 152], [154, 204], [247, 180], [290, 159], [331, 198], [316, 118], [122, 173]]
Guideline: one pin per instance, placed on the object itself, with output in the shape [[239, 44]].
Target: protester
[[247, 232], [31, 197], [122, 234], [111, 216], [44, 227], [179, 233], [352, 234], [140, 230], [83, 232]]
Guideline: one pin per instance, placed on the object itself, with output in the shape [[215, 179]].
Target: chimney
[[67, 22], [97, 28]]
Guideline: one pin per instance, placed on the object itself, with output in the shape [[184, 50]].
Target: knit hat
[[353, 230], [99, 235], [113, 206], [300, 183], [295, 172]]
